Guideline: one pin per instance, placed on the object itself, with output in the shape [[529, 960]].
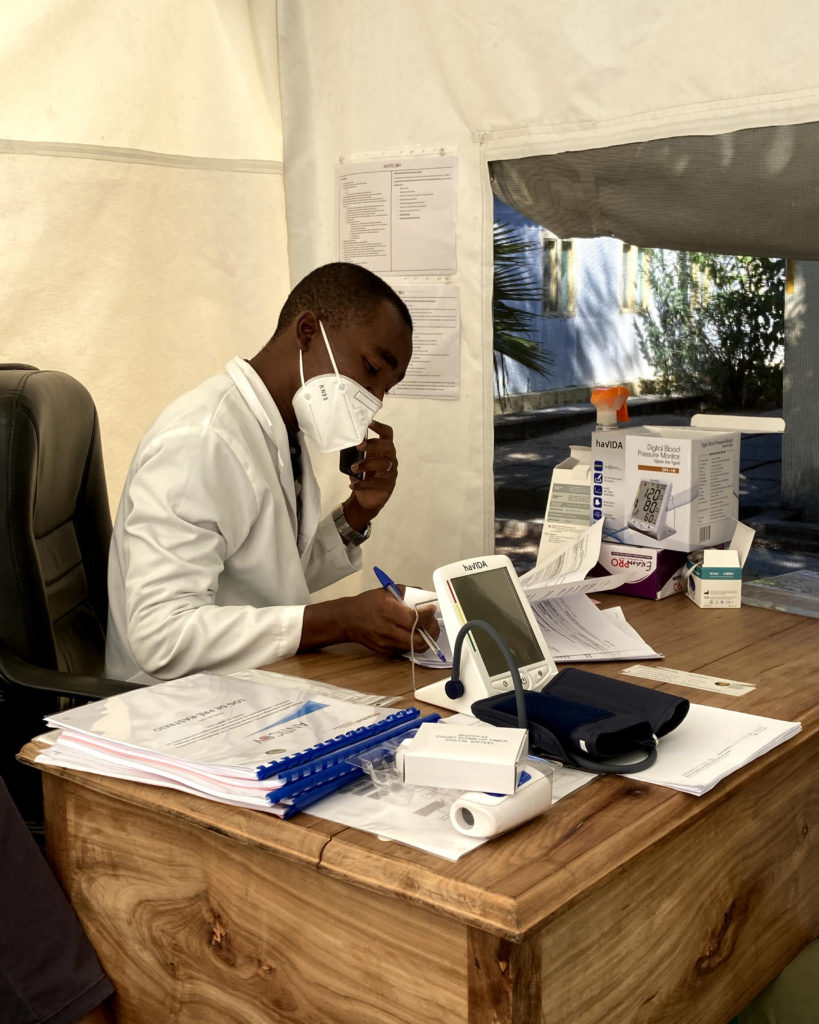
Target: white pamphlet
[[711, 743]]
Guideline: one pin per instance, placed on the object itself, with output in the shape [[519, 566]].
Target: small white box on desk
[[713, 577], [474, 757]]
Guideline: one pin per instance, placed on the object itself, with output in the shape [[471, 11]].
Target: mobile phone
[[346, 458]]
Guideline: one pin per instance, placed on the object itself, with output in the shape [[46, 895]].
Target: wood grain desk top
[[519, 882]]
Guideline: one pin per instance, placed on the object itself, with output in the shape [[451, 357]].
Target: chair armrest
[[14, 671]]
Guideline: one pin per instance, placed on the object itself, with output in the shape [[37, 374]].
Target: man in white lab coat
[[218, 542]]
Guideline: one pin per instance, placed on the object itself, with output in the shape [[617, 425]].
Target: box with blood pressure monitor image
[[665, 487]]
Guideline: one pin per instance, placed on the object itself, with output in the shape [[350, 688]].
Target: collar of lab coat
[[252, 388]]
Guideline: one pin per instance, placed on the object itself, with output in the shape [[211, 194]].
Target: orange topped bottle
[[611, 406]]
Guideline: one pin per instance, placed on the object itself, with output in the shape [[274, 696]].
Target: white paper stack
[[710, 744], [275, 748], [576, 629], [573, 626]]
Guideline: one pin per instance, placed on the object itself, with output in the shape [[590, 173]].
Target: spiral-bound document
[[254, 744]]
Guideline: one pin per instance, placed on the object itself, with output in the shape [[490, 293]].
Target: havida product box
[[662, 570], [665, 487]]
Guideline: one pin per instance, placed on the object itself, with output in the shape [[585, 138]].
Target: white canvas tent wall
[[143, 233], [142, 236], [496, 81]]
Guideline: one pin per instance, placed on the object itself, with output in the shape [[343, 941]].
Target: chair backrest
[[55, 522]]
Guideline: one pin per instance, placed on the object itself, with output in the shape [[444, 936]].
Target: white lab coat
[[210, 567]]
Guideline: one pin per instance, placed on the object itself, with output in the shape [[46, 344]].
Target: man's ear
[[307, 328]]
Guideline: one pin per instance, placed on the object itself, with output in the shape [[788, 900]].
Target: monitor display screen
[[492, 596], [649, 501]]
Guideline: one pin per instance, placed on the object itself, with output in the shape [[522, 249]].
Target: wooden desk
[[626, 903]]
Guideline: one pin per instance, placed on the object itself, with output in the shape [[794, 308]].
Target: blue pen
[[391, 588]]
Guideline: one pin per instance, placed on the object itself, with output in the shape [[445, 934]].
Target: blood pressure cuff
[[582, 719], [662, 711]]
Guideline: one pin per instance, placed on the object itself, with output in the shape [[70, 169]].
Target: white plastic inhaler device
[[484, 815]]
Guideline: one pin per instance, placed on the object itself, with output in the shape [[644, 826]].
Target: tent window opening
[[559, 288], [750, 192]]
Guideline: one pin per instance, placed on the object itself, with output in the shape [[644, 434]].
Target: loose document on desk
[[574, 627], [423, 820], [710, 744], [418, 816]]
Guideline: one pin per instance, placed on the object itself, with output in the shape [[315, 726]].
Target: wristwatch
[[346, 532]]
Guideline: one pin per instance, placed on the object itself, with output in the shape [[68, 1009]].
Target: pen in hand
[[391, 588]]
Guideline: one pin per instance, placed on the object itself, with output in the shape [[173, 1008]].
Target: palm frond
[[515, 326]]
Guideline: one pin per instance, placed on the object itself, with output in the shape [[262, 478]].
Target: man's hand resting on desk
[[375, 619]]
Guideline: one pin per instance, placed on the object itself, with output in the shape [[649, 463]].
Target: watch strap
[[346, 532]]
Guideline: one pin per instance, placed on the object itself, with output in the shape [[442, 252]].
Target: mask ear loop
[[329, 353], [329, 350]]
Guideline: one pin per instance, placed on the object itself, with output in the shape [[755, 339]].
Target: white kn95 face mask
[[333, 410]]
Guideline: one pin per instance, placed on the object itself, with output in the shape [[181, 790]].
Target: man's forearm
[[325, 623], [355, 515]]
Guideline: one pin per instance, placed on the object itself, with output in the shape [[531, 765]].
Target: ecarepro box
[[662, 570]]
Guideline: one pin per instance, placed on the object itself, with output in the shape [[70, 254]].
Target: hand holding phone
[[376, 472], [346, 458]]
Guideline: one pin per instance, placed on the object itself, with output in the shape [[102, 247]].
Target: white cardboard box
[[567, 508], [672, 487], [474, 757], [666, 487], [714, 576]]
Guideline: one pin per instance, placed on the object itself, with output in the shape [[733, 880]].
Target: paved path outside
[[529, 445]]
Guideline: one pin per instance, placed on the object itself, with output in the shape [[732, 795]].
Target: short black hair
[[340, 293]]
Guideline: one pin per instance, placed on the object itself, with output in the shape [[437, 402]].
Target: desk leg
[[504, 979]]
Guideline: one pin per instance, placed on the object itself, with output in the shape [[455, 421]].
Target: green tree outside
[[716, 327]]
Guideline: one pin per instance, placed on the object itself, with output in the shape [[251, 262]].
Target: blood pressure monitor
[[650, 510], [488, 588]]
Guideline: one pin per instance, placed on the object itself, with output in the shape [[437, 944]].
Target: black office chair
[[55, 528]]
